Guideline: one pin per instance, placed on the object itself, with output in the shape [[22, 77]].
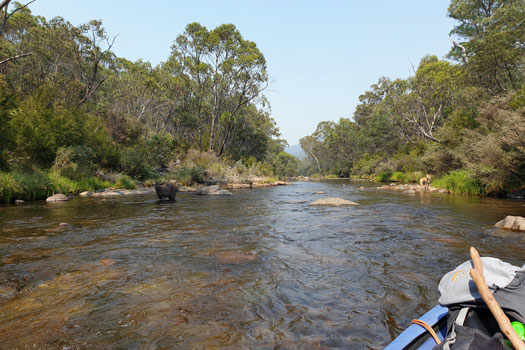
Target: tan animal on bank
[[425, 181], [166, 190]]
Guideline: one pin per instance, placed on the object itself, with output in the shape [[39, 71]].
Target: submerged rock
[[107, 262], [333, 201], [235, 257], [7, 292], [57, 198], [514, 223], [208, 189]]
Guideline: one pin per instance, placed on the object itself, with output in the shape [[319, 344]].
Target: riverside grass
[[39, 185], [460, 182]]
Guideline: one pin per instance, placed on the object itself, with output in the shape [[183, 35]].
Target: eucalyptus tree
[[493, 41], [225, 73]]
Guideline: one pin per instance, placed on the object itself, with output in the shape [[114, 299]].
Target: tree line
[[461, 118], [66, 97]]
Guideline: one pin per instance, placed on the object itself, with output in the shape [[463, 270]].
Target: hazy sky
[[321, 54]]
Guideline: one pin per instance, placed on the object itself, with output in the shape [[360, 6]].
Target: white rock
[[514, 223], [57, 198]]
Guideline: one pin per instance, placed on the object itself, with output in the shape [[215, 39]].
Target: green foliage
[[189, 176], [285, 165], [135, 162], [460, 182], [126, 182], [399, 176], [62, 184], [23, 186], [39, 185], [384, 175]]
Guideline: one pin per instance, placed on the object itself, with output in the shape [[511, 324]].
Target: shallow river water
[[259, 269]]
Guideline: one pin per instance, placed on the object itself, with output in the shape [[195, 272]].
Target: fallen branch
[[15, 57], [503, 321]]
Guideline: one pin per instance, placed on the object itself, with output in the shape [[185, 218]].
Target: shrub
[[134, 162], [74, 162], [189, 176], [198, 159], [124, 181], [398, 176], [93, 184], [384, 176], [62, 184], [460, 182], [23, 186], [414, 176]]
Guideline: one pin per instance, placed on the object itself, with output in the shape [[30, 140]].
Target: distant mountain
[[296, 150]]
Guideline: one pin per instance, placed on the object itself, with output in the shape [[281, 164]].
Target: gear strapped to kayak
[[470, 324]]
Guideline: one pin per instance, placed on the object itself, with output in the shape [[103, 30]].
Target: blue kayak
[[416, 337]]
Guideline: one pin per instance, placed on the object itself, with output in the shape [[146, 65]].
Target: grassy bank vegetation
[[40, 185], [460, 119]]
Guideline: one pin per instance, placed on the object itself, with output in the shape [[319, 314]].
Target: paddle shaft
[[503, 321]]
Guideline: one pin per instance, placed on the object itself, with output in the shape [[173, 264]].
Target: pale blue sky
[[321, 54]]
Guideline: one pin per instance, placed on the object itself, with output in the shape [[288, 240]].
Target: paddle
[[503, 321]]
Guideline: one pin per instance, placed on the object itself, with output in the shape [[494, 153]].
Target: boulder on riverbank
[[514, 223], [333, 201], [237, 186], [57, 198], [109, 193]]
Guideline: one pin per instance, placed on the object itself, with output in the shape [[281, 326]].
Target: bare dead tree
[[93, 83]]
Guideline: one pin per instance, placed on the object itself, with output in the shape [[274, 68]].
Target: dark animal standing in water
[[167, 190]]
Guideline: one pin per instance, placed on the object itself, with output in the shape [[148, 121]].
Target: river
[[259, 269]]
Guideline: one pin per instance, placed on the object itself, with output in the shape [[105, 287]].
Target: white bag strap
[[451, 339]]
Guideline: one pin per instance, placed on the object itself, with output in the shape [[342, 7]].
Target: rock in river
[[332, 201], [514, 223], [57, 198], [213, 190]]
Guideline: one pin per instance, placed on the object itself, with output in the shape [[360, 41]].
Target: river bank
[[41, 189], [195, 170]]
